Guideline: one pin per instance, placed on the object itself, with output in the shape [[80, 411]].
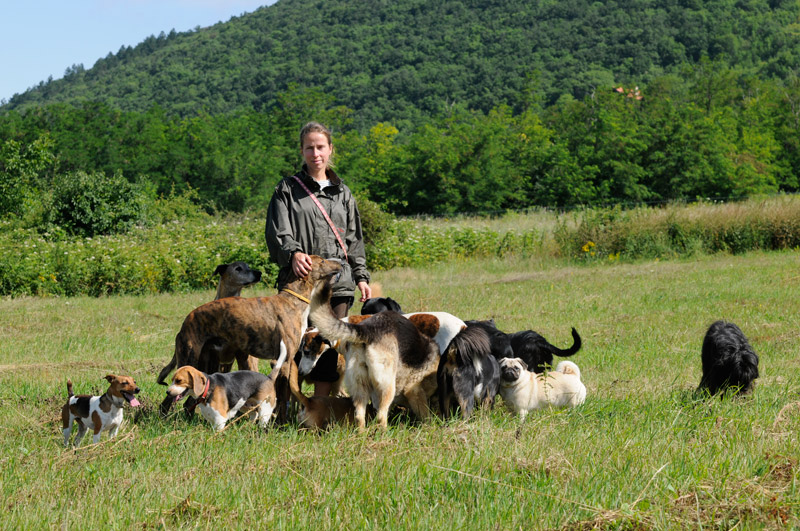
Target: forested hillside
[[436, 108], [402, 61]]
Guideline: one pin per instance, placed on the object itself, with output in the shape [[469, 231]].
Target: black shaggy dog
[[729, 362], [468, 372], [380, 304], [529, 346]]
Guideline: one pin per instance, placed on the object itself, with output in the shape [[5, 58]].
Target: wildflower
[[588, 247]]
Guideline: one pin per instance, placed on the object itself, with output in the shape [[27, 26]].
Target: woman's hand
[[366, 291], [301, 264]]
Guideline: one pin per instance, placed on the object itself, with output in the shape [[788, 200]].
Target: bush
[[176, 256], [90, 204], [375, 222]]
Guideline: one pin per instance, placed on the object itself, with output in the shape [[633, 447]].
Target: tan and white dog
[[101, 413], [442, 327], [220, 396], [388, 359], [523, 390]]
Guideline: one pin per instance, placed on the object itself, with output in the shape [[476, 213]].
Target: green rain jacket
[[295, 223]]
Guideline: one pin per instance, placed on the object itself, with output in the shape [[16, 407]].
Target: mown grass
[[641, 453]]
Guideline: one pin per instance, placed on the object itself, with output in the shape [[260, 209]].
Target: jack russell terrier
[[100, 413]]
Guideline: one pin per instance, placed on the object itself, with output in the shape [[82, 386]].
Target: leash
[[304, 299], [324, 213]]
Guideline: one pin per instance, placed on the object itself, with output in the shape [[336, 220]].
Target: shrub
[[90, 204]]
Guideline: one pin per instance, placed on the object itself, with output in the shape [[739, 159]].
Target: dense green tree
[[401, 62], [24, 171]]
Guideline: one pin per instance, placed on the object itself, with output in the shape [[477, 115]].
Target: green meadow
[[642, 453]]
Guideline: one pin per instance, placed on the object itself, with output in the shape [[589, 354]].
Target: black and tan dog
[[388, 359], [318, 362], [320, 412], [259, 327], [101, 413], [468, 372], [221, 396], [729, 362]]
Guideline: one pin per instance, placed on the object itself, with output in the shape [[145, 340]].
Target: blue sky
[[41, 38]]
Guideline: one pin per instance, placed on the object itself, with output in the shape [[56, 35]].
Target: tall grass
[[641, 453], [181, 256], [701, 228]]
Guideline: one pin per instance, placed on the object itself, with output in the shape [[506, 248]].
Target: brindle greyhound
[[261, 327], [232, 278]]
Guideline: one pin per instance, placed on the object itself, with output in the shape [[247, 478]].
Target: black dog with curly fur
[[729, 362]]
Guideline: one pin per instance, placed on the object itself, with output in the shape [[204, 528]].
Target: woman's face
[[316, 152]]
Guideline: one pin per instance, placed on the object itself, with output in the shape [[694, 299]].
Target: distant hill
[[399, 60]]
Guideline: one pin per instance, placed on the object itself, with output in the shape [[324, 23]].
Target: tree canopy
[[402, 61]]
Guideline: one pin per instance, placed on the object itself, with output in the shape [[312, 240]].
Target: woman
[[313, 212]]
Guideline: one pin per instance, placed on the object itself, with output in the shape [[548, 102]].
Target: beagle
[[101, 413], [220, 396]]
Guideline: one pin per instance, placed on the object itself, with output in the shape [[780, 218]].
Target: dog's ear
[[220, 269], [198, 382], [521, 362], [110, 377]]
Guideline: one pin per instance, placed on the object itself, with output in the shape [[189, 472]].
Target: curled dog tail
[[70, 394], [568, 367], [564, 353]]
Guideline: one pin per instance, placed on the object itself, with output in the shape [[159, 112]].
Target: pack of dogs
[[381, 359]]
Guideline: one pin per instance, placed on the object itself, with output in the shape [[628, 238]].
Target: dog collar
[[118, 402], [304, 299], [202, 398]]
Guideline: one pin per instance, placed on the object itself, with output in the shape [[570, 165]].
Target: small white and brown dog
[[221, 395], [523, 390], [101, 413]]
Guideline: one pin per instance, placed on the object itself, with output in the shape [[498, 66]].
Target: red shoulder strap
[[324, 213]]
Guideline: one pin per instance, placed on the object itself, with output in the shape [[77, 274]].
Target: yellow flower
[[587, 247]]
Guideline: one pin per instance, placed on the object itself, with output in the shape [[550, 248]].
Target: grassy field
[[641, 453]]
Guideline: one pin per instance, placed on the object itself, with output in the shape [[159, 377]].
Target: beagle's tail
[[70, 394]]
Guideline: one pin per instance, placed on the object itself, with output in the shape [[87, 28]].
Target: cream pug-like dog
[[523, 390]]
